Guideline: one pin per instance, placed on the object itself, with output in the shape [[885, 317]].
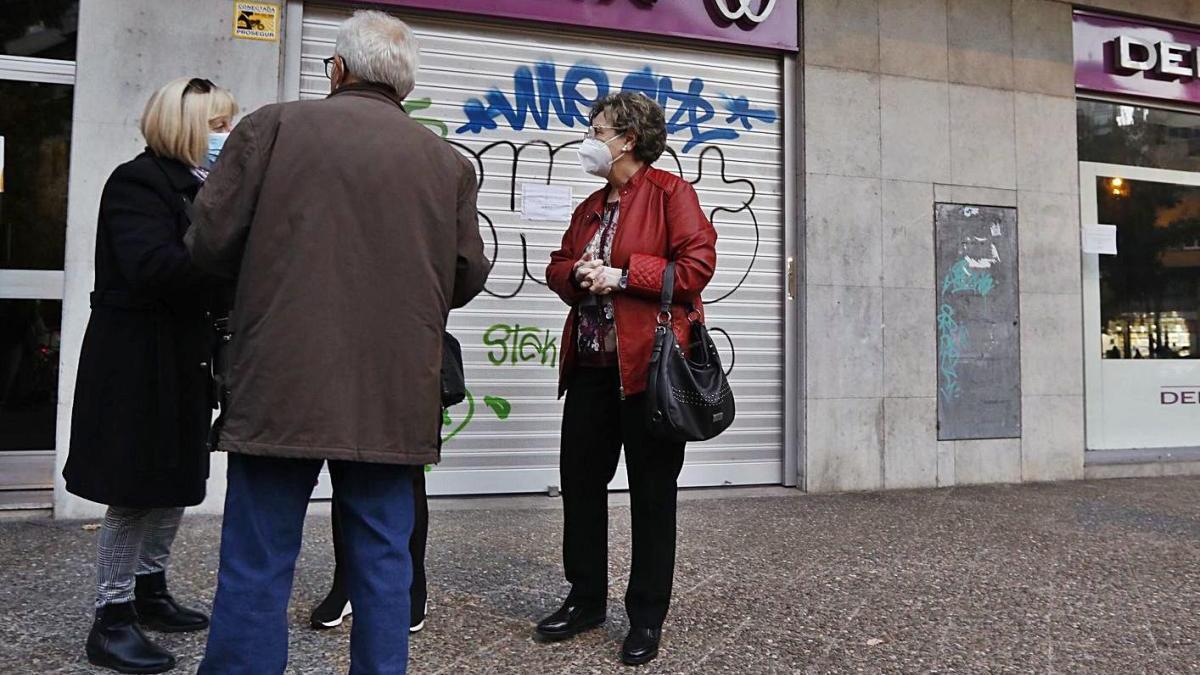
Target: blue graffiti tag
[[536, 94], [951, 340], [960, 279]]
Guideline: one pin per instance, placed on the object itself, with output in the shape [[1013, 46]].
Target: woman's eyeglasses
[[594, 130]]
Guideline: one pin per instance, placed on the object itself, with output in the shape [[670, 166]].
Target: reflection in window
[[43, 29], [35, 120], [1150, 290], [1117, 133], [29, 344]]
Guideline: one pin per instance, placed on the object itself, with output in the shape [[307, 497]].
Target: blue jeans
[[260, 540]]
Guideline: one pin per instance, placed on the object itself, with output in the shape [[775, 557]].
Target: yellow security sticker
[[256, 21]]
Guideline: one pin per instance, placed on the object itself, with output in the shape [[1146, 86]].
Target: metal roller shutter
[[514, 100]]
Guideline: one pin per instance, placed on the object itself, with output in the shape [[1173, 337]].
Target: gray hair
[[377, 47]]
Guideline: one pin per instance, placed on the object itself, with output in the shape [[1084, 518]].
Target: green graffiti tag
[[500, 407], [514, 344], [414, 105]]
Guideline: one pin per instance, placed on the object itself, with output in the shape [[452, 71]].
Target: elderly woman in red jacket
[[609, 271]]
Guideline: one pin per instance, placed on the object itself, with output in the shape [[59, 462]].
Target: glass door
[[1142, 308], [37, 75]]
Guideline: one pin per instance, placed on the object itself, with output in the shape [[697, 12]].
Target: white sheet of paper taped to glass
[[549, 203], [1100, 239]]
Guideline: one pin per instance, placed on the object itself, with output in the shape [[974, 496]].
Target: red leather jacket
[[660, 221]]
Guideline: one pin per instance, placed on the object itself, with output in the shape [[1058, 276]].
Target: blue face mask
[[216, 141]]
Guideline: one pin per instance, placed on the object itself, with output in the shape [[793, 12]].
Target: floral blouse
[[596, 334]]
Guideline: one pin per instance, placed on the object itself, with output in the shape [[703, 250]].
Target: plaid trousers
[[132, 541]]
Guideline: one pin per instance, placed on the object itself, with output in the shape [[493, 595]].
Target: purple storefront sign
[[1116, 55], [772, 24]]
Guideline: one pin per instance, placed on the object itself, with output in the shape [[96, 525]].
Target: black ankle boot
[[157, 610], [117, 642], [332, 611]]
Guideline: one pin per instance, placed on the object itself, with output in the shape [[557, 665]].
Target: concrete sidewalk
[[1088, 577]]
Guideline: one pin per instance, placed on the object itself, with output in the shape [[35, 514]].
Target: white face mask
[[216, 142], [595, 158]]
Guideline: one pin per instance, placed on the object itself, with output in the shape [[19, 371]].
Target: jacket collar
[[380, 92], [630, 186], [178, 174]]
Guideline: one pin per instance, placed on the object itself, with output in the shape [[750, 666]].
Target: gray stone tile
[[982, 137], [981, 42], [842, 34], [1051, 345], [979, 196], [1181, 469], [1052, 444], [912, 38], [841, 134], [1046, 144], [910, 451], [1048, 230], [1108, 471], [987, 461], [845, 342], [1043, 56], [909, 342], [843, 231], [908, 260], [946, 456], [915, 122], [845, 445]]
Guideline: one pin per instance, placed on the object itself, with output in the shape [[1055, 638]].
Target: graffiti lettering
[[520, 344], [536, 95], [961, 279], [500, 407]]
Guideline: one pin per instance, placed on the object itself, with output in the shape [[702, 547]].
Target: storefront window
[[35, 121], [1119, 133], [1150, 291], [39, 28], [29, 344]]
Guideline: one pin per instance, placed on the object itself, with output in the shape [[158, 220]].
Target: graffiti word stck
[[516, 344], [546, 203]]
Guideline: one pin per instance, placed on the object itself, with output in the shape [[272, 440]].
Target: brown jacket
[[352, 232]]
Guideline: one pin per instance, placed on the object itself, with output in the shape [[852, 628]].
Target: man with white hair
[[351, 231]]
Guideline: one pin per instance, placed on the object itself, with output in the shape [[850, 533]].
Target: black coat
[[143, 397]]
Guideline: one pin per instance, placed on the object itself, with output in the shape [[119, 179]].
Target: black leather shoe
[[570, 620], [641, 646], [157, 610], [118, 643]]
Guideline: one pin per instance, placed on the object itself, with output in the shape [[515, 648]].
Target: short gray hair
[[377, 47]]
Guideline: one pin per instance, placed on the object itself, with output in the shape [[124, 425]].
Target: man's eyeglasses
[[198, 85], [329, 66]]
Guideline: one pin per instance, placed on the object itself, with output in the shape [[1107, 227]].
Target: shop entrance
[[1142, 308]]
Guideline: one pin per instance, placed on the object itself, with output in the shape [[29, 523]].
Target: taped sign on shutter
[[256, 21]]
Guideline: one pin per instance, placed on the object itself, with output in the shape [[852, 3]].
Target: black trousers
[[596, 424], [416, 545]]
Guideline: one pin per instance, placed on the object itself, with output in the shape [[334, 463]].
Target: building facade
[[916, 202]]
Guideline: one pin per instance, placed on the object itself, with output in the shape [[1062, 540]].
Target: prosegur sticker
[[256, 21]]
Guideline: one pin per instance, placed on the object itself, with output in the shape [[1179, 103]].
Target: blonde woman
[[143, 398]]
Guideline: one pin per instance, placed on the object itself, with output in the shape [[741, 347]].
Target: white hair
[[377, 47]]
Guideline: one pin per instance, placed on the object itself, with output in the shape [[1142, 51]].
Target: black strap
[[668, 289]]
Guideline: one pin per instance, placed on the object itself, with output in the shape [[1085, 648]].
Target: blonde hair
[[176, 121]]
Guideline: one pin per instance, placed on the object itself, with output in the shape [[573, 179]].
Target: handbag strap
[[668, 292]]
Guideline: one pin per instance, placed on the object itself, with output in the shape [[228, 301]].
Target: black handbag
[[687, 399], [454, 383]]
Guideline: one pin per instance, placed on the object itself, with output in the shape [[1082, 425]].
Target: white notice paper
[[1100, 239], [551, 203]]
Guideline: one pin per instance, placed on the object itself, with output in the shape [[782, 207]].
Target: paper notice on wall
[[256, 21], [548, 203], [1100, 239]]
